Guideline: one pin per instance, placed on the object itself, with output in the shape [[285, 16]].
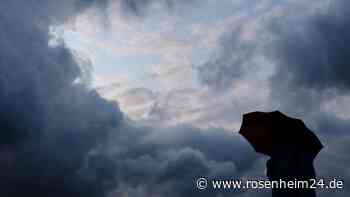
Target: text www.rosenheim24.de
[[216, 184]]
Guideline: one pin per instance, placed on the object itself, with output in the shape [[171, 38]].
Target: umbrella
[[265, 131]]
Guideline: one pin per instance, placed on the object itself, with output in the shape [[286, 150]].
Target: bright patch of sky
[[148, 64]]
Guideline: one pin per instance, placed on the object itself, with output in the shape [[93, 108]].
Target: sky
[[141, 97], [151, 63]]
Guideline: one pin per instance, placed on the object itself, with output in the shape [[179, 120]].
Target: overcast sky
[[140, 97], [149, 61]]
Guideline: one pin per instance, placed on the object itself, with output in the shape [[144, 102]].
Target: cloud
[[166, 161], [49, 124], [316, 45], [240, 49], [61, 138], [311, 59], [235, 54], [307, 61], [302, 57]]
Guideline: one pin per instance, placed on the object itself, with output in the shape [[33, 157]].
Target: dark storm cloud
[[314, 52], [167, 161], [311, 62], [59, 138], [312, 57], [48, 125], [310, 51], [309, 48]]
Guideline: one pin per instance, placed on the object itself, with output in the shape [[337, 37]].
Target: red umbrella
[[265, 131]]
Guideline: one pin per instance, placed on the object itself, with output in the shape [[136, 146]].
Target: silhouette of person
[[289, 163]]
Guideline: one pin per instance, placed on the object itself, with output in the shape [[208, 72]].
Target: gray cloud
[[48, 123], [314, 53], [234, 59], [60, 138], [310, 56], [167, 161], [308, 52], [312, 60]]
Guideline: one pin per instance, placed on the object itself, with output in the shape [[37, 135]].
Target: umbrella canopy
[[265, 131]]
